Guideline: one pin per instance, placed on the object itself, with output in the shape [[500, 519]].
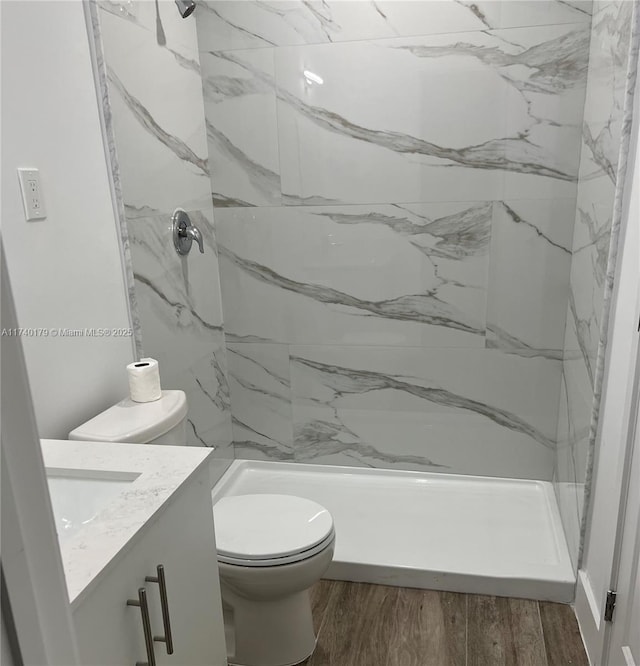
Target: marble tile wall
[[154, 111], [394, 189], [605, 135], [406, 277]]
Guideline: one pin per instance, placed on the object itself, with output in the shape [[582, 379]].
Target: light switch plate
[[32, 198]]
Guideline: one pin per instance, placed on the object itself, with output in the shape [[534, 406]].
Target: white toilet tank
[[162, 421]]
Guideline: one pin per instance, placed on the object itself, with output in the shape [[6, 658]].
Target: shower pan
[[434, 531]]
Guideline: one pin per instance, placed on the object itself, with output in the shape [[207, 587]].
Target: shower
[[393, 291], [185, 7]]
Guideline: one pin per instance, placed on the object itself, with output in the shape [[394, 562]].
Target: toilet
[[270, 548]]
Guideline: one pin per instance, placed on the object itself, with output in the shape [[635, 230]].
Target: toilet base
[[275, 633], [297, 663], [267, 611]]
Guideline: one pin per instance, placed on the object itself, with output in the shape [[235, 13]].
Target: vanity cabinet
[[180, 537]]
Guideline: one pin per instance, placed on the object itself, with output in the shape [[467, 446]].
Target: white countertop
[[161, 471]]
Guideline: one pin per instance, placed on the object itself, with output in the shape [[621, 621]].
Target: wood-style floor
[[374, 625]]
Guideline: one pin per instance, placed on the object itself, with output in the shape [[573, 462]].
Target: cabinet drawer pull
[[141, 602], [164, 601]]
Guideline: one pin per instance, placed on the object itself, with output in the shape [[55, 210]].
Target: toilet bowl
[[271, 550]]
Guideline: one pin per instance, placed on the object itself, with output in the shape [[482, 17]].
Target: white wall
[[31, 561], [66, 271]]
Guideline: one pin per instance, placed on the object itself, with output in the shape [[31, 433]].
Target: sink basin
[[77, 500]]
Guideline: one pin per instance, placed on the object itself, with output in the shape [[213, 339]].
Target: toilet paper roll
[[144, 380]]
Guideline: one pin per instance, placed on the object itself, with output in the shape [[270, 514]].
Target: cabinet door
[[181, 538]]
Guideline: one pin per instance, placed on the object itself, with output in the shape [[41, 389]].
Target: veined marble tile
[[479, 115], [161, 19], [261, 399], [192, 357], [461, 411], [570, 500], [180, 311], [242, 127], [603, 112], [608, 58], [209, 420], [574, 419], [529, 284], [250, 24], [606, 91], [600, 146], [509, 14], [594, 209], [363, 275], [191, 282], [159, 129], [102, 86], [577, 401], [587, 282], [590, 278], [162, 155]]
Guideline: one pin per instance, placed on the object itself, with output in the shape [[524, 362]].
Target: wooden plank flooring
[[374, 625]]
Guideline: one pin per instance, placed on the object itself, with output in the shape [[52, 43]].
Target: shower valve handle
[[194, 234], [184, 233]]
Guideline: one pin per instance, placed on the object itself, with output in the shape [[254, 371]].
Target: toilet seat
[[269, 530], [277, 561]]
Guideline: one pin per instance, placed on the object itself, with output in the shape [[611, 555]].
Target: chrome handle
[[194, 234], [141, 601], [184, 233], [164, 602]]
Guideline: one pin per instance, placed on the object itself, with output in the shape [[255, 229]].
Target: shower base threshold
[[479, 535]]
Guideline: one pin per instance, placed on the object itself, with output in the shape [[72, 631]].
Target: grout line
[[466, 630], [371, 204], [396, 604], [382, 39], [278, 119], [544, 638]]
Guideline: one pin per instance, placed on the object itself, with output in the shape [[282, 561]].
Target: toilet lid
[[136, 422], [267, 527]]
